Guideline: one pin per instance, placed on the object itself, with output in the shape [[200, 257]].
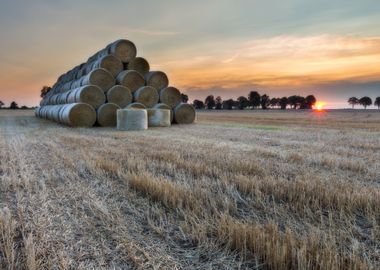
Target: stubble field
[[237, 190]]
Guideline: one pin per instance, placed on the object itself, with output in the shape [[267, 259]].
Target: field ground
[[237, 190]]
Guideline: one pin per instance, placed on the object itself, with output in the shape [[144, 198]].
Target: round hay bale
[[90, 94], [110, 63], [184, 114], [139, 64], [99, 77], [106, 115], [119, 95], [135, 105], [170, 96], [132, 119], [77, 115], [37, 111], [130, 79], [165, 107], [146, 95], [123, 49], [158, 118], [157, 79]]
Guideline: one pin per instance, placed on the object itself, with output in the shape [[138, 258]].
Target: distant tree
[[353, 101], [198, 104], [274, 102], [283, 103], [184, 98], [264, 102], [24, 107], [365, 102], [254, 99], [13, 105], [310, 101], [243, 102], [1, 104], [228, 104], [218, 103], [377, 102], [44, 91], [293, 101], [301, 102], [210, 102]]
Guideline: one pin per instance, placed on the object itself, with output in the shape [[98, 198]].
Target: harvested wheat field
[[237, 190]]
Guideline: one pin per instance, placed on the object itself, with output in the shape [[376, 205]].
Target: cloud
[[153, 32]]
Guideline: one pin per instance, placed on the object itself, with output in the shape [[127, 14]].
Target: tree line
[[364, 101], [254, 100], [13, 106]]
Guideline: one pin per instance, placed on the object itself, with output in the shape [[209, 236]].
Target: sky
[[222, 47]]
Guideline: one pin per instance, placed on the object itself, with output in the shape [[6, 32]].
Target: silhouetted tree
[[243, 102], [184, 98], [264, 102], [13, 105], [365, 102], [274, 102], [310, 101], [301, 102], [198, 104], [283, 103], [44, 91], [254, 99], [24, 107], [353, 101], [1, 104], [210, 102], [377, 102], [293, 101], [218, 103], [228, 104]]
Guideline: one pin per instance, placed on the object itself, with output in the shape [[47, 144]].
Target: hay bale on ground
[[139, 64], [106, 115], [157, 79], [146, 95], [158, 118], [90, 94], [130, 79], [165, 107], [135, 105], [184, 114], [132, 119], [170, 96], [99, 77], [77, 115], [119, 95]]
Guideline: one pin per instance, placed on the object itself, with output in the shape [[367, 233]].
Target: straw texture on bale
[[157, 79], [132, 119], [90, 94], [106, 115], [146, 95], [158, 118], [99, 77], [135, 105], [170, 96], [77, 115], [184, 114], [123, 49], [165, 107], [110, 63], [119, 95], [130, 79], [139, 64]]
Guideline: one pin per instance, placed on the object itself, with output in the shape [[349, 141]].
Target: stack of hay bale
[[114, 79]]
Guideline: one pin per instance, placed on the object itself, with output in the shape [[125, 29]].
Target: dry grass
[[240, 190]]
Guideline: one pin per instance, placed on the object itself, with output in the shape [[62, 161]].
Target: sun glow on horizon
[[319, 105]]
